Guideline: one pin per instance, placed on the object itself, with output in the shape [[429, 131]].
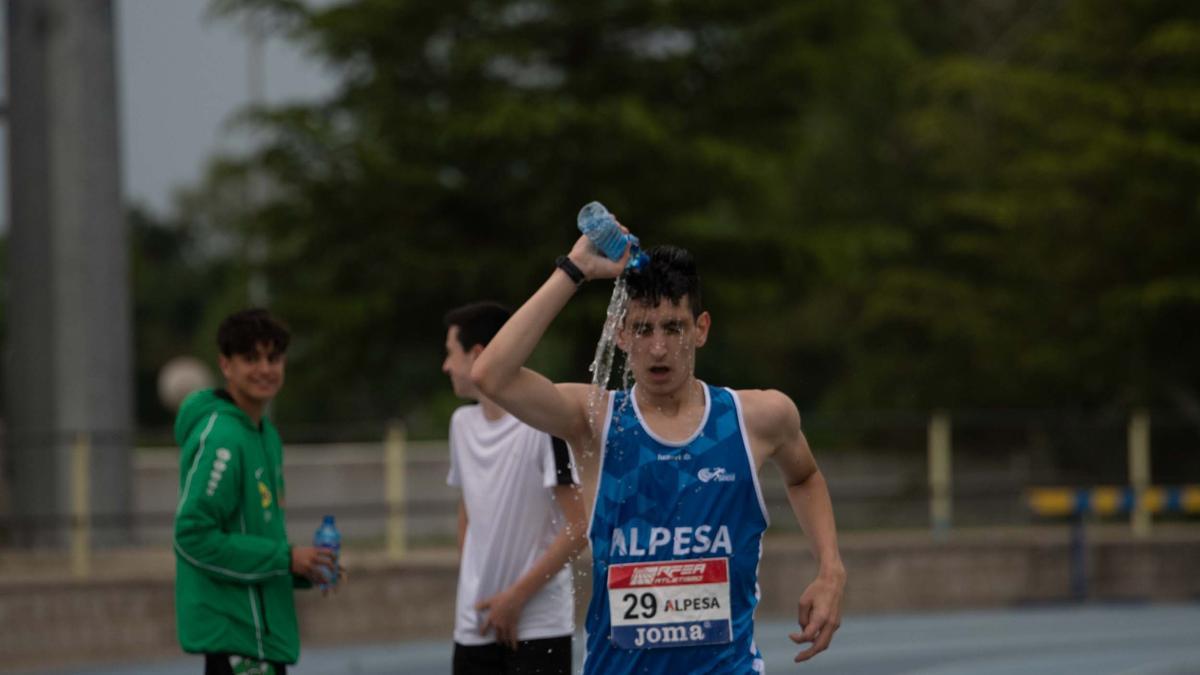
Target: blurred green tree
[[894, 204], [185, 281], [1053, 214], [465, 135]]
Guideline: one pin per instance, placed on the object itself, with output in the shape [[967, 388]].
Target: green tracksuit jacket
[[233, 584]]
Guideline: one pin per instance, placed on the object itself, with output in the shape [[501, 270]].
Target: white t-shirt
[[507, 471]]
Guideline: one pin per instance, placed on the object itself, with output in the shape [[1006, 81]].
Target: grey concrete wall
[[127, 614]]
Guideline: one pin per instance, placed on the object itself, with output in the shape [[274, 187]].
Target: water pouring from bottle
[[610, 240]]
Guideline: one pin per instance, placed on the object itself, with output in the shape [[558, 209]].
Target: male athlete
[[678, 517], [521, 519], [234, 569]]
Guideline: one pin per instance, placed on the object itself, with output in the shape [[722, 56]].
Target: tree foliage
[[913, 204], [183, 288], [1056, 214]]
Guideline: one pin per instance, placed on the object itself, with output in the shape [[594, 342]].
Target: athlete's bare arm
[[504, 608], [499, 372], [774, 424]]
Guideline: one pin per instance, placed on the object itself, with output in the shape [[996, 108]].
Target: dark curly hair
[[477, 322], [242, 332], [670, 273]]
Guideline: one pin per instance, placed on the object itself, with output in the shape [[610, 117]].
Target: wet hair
[[478, 322], [242, 332], [669, 274]]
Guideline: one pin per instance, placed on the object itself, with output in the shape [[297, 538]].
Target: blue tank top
[[676, 537]]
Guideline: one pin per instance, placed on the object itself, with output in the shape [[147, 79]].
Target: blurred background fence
[[886, 470], [935, 511]]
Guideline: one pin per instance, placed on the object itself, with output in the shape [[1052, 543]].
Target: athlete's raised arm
[[499, 371]]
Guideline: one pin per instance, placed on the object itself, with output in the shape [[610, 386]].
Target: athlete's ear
[[622, 336], [224, 363], [475, 351], [703, 323]]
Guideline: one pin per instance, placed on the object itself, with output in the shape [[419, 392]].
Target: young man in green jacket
[[234, 569]]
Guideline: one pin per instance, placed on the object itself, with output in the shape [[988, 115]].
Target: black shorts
[[548, 656], [224, 664]]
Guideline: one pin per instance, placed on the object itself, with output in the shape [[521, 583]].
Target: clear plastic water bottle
[[605, 234], [327, 536]]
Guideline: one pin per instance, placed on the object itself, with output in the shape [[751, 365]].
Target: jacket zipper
[[262, 604], [262, 452]]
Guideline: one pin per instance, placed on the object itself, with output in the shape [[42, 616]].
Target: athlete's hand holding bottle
[[606, 247]]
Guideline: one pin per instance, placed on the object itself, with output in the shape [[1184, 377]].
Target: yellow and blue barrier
[[1110, 500], [1105, 500]]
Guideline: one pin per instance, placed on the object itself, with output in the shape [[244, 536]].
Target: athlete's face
[[255, 378], [661, 342], [458, 365]]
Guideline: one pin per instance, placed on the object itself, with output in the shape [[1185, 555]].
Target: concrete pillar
[[69, 366], [395, 466], [1139, 472], [940, 486]]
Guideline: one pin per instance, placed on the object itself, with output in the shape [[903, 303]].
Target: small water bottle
[[327, 536], [605, 234]]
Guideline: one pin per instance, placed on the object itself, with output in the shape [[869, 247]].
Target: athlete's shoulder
[[768, 409]]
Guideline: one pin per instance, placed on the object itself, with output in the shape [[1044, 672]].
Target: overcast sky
[[181, 76]]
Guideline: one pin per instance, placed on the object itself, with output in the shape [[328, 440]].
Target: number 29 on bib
[[669, 603]]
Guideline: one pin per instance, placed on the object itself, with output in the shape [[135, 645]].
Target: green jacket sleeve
[[209, 499]]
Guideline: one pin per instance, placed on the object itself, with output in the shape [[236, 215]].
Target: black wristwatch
[[572, 270]]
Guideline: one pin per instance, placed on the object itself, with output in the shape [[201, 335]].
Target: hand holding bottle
[[606, 248], [311, 562], [328, 539]]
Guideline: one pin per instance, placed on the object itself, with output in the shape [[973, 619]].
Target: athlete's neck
[[673, 404]]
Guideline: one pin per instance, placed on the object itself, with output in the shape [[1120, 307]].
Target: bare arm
[[504, 608], [772, 416], [499, 371]]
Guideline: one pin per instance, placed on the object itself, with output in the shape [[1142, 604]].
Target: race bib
[[669, 603]]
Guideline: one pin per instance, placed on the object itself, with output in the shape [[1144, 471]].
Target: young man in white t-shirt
[[521, 520]]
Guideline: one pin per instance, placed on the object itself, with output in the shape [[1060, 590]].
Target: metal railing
[[937, 471]]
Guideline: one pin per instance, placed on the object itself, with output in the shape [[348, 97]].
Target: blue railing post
[[1078, 553]]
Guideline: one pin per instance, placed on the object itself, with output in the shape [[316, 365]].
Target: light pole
[[69, 372], [257, 289]]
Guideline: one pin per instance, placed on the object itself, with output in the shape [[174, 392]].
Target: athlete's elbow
[[487, 377], [193, 543], [481, 372], [809, 477], [197, 534]]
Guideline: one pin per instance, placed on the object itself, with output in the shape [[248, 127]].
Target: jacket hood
[[199, 405]]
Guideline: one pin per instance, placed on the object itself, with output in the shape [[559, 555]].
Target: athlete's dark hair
[[242, 332], [669, 274], [477, 322]]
